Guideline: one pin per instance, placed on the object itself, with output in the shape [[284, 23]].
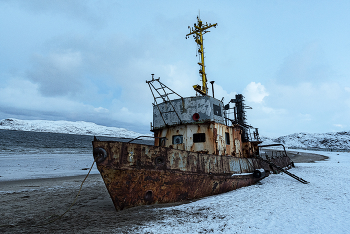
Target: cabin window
[[198, 137], [177, 139], [162, 141], [227, 138], [217, 110]]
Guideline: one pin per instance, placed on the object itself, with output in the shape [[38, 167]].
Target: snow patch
[[68, 127], [326, 141]]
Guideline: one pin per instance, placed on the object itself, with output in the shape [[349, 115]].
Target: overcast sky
[[85, 60]]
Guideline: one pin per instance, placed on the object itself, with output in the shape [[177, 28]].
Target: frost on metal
[[208, 108]]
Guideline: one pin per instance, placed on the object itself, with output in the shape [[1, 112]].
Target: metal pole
[[212, 86]]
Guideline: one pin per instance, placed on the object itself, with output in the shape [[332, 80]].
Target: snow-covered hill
[[332, 140], [79, 128]]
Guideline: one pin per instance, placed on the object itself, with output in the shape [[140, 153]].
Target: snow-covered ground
[[279, 204], [69, 127]]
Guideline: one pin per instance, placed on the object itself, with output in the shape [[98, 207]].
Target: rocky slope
[[332, 140]]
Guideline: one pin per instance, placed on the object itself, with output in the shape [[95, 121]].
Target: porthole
[[159, 161], [177, 139], [149, 196]]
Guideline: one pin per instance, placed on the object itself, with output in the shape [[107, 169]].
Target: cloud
[[102, 74], [87, 63], [307, 65], [58, 73], [339, 126], [306, 107], [101, 110], [255, 92], [105, 78], [92, 12], [220, 92], [310, 107], [21, 97], [307, 97], [23, 94]]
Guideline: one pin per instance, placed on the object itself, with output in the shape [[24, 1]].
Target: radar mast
[[198, 31]]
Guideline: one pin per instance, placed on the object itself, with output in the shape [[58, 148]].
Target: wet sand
[[27, 206], [298, 157]]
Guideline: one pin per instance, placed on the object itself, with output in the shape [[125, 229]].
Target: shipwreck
[[198, 149]]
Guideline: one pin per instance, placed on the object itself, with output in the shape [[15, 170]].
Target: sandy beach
[[28, 206]]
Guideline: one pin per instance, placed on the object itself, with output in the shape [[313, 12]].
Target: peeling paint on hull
[[129, 188], [137, 174]]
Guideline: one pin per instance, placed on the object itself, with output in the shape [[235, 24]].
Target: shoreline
[[305, 157], [296, 156], [300, 156], [28, 204], [30, 184]]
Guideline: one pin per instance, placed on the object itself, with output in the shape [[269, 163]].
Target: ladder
[[162, 92], [281, 169]]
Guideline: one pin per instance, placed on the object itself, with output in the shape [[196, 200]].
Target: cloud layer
[[89, 60]]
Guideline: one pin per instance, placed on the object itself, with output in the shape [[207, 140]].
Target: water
[[31, 155], [21, 142]]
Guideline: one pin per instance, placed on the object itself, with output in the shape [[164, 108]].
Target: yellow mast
[[198, 31]]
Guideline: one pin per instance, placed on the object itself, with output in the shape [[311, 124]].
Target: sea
[[33, 155]]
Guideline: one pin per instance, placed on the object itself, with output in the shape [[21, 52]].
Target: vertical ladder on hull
[[281, 169]]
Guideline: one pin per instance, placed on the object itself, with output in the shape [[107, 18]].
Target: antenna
[[198, 30]]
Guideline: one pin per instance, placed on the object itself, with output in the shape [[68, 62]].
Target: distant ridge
[[331, 140], [68, 127]]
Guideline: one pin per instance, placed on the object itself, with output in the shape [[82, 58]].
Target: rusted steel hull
[[137, 174], [129, 188]]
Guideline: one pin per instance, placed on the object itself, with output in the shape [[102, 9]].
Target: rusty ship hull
[[137, 174]]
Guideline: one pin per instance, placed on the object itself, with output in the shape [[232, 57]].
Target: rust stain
[[137, 174], [215, 139], [166, 186]]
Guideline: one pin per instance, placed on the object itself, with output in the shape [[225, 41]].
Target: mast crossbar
[[198, 30]]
